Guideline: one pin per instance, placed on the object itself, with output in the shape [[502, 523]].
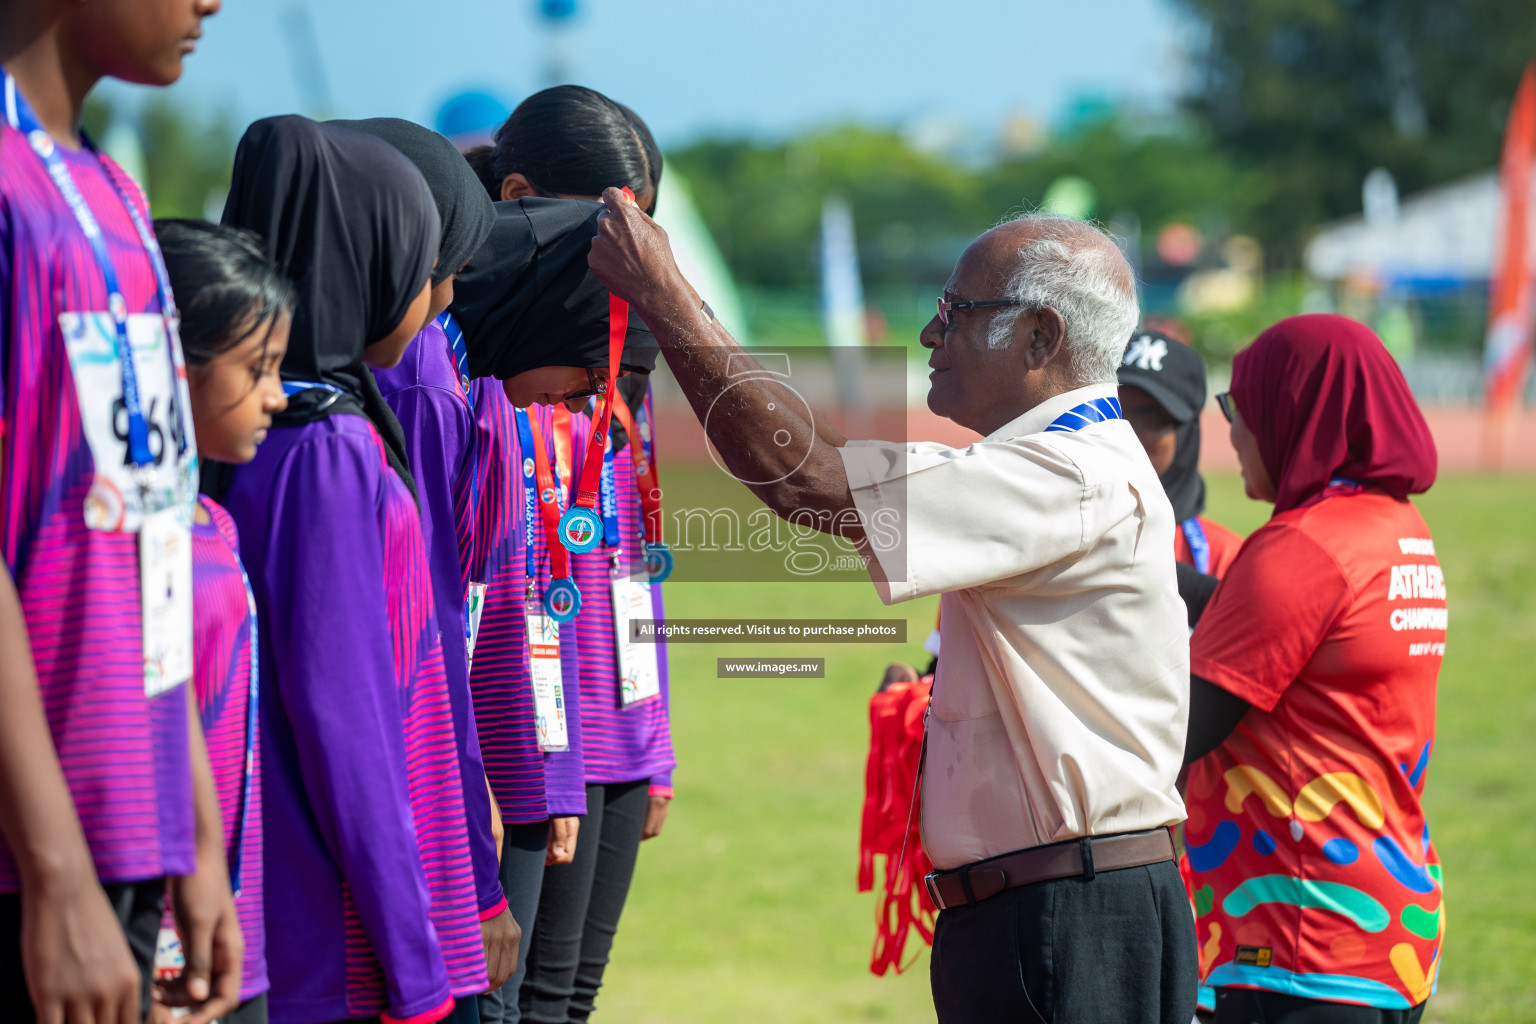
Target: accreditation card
[[639, 675], [548, 693]]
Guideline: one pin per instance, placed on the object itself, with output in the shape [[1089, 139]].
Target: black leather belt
[[1086, 857]]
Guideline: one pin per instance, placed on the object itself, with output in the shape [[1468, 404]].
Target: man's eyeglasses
[[1227, 406], [594, 387], [947, 308]]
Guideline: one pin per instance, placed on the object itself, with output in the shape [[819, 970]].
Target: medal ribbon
[[646, 481], [592, 461], [549, 498], [1199, 546]]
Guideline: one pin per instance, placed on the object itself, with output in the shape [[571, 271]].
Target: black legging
[[580, 907]]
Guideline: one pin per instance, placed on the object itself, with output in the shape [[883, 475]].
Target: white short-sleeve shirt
[[1062, 694]]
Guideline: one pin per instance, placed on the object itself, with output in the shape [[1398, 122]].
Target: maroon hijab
[[1325, 399]]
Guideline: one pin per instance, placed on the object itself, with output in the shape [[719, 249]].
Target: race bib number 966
[[117, 501]]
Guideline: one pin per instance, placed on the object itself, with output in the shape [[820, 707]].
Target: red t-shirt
[[1314, 873], [1223, 543]]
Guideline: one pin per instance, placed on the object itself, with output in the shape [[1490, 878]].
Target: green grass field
[[745, 909]]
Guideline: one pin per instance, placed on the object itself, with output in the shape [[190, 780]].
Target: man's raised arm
[[751, 425]]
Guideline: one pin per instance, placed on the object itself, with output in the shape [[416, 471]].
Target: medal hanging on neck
[[562, 599], [642, 452], [581, 526]]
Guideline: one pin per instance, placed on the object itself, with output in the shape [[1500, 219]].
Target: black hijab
[[1174, 375], [528, 298], [351, 222], [462, 205]]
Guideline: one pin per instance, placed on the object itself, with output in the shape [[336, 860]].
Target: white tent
[[1446, 233]]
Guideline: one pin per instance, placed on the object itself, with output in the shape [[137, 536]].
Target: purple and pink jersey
[[370, 900], [529, 785], [621, 744], [221, 639], [426, 394], [125, 757]]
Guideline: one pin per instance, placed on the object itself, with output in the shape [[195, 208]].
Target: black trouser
[[138, 906], [580, 906], [1255, 1006], [252, 1011], [1118, 948], [522, 879]]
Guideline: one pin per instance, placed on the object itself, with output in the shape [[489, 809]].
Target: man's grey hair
[[1077, 270]]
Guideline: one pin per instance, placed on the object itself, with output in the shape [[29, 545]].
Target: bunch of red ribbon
[[889, 827]]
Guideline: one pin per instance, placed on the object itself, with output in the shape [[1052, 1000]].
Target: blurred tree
[[763, 202], [1312, 95], [915, 211], [188, 160]]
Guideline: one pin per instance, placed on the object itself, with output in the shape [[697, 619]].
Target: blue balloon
[[558, 10]]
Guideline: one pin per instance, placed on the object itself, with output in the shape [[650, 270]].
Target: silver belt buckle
[[931, 881]]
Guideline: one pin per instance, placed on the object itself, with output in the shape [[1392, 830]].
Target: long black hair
[[226, 287], [574, 141]]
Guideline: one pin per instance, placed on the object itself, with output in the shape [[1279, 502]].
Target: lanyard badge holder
[[658, 557], [562, 599], [161, 516]]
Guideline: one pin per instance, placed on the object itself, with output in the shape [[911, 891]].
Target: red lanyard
[[549, 505], [646, 479], [592, 461], [581, 527]]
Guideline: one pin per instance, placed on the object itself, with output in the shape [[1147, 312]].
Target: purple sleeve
[[565, 773], [336, 679], [438, 430]]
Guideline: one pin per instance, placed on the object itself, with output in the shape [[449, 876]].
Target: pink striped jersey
[[125, 757], [370, 896], [528, 784], [221, 639], [621, 744]]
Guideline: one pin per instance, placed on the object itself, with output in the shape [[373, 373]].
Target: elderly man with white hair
[[1057, 725]]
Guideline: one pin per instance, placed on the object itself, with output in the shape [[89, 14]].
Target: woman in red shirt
[[1314, 669]]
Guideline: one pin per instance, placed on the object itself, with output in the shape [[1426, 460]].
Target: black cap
[[1171, 372]]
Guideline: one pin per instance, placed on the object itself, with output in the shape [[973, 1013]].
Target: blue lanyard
[[1095, 410], [608, 498], [460, 350], [251, 715], [20, 116], [532, 522], [1199, 546], [456, 340], [293, 387]]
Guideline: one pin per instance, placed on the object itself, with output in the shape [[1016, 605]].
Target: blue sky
[[695, 66]]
